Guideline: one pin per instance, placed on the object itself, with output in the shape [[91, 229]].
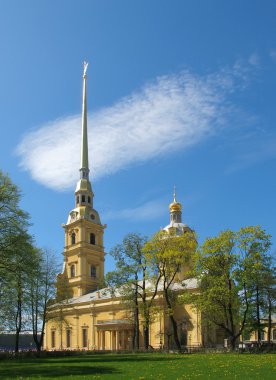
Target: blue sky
[[179, 93]]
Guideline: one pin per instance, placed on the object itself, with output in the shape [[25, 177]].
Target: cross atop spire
[[84, 169], [174, 194]]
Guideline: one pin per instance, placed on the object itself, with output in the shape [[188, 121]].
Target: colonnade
[[113, 339]]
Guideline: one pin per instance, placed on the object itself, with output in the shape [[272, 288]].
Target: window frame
[[68, 338], [85, 337], [93, 271], [92, 238], [53, 338], [73, 238], [72, 270]]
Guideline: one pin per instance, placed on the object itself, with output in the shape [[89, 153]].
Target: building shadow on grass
[[76, 366], [52, 370], [117, 358]]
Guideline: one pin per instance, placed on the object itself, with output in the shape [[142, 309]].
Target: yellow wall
[[109, 327]]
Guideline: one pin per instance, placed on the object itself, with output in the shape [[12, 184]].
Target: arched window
[[73, 238], [83, 198], [93, 271], [72, 270], [92, 239], [89, 199]]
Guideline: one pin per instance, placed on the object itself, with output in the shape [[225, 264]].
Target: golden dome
[[175, 206]]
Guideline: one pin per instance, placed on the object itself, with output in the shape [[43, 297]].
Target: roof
[[180, 227], [84, 212], [108, 293]]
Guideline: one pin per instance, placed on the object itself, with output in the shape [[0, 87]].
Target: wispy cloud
[[254, 59], [272, 54], [259, 150], [171, 113], [147, 211]]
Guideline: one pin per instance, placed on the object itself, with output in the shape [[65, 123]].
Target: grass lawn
[[143, 367]]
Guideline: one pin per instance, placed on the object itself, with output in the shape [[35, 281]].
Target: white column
[[102, 340], [116, 340], [98, 340]]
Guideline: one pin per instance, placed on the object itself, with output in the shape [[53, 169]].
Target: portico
[[114, 335]]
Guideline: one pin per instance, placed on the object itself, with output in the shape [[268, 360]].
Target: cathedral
[[88, 316]]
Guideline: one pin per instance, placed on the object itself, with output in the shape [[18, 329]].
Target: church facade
[[88, 316]]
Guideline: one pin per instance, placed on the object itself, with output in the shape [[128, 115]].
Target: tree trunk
[[173, 322], [146, 337], [136, 320], [259, 327], [18, 321], [269, 327], [233, 340], [175, 333], [16, 347]]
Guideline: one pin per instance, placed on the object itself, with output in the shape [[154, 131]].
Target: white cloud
[[171, 113]]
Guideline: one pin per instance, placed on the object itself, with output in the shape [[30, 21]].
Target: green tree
[[15, 298], [20, 264], [270, 301], [131, 277], [254, 244], [228, 268], [41, 290], [168, 253], [13, 221]]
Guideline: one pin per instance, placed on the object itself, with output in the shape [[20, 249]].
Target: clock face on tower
[[73, 215]]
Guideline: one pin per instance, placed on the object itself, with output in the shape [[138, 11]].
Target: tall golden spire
[[84, 169], [84, 189]]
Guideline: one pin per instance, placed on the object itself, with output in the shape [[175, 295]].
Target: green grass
[[143, 367]]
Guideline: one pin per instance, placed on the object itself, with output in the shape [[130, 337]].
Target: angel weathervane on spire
[[85, 64]]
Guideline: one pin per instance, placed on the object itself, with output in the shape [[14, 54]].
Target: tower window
[[93, 271], [72, 270], [78, 199], [92, 239], [73, 238], [83, 198], [89, 199]]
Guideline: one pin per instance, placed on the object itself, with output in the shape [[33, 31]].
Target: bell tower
[[84, 250]]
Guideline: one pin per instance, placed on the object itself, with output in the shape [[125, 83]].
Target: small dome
[[175, 206]]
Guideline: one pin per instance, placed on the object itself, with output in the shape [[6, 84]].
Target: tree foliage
[[231, 267], [168, 253], [41, 290], [22, 269], [131, 277]]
